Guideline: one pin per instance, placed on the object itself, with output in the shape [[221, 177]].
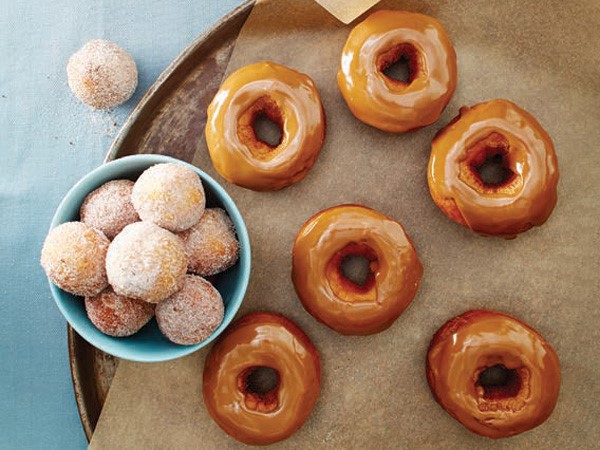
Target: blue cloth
[[48, 140]]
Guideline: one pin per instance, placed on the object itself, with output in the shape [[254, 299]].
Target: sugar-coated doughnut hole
[[109, 208], [116, 315], [169, 195], [102, 75], [191, 315], [73, 257], [211, 244], [146, 262]]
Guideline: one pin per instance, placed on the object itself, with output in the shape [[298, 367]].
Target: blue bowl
[[149, 345]]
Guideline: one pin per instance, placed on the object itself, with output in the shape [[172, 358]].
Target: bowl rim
[[241, 230]]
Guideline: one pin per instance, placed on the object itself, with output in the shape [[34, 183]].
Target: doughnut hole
[[500, 388], [260, 387], [488, 167], [169, 195], [116, 315], [73, 257], [102, 75], [349, 289], [146, 262], [258, 126], [109, 208], [401, 64], [211, 245]]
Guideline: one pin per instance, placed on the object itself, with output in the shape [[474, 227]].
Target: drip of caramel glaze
[[524, 199], [288, 98], [469, 344], [261, 340], [330, 297], [382, 39]]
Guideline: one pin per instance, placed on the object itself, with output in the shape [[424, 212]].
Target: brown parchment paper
[[347, 10], [542, 55]]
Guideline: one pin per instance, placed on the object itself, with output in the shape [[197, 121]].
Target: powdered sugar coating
[[191, 315], [116, 315], [73, 257], [169, 195], [109, 208], [146, 262], [101, 74], [211, 244]]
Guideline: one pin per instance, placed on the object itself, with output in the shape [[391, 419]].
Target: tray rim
[[203, 39]]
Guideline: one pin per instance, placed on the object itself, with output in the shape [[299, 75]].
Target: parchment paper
[[542, 55], [347, 10]]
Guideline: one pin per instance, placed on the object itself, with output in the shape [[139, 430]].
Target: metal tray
[[161, 123]]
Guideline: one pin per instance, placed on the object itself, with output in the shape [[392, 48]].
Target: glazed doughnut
[[382, 39], [286, 97], [493, 373], [321, 246], [526, 194], [254, 342]]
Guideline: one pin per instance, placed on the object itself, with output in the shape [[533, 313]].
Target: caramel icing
[[528, 195], [262, 340], [347, 307], [476, 340], [383, 102], [286, 97]]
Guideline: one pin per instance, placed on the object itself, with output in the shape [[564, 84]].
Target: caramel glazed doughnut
[[493, 373], [526, 193], [321, 246], [378, 42], [253, 343], [287, 98]]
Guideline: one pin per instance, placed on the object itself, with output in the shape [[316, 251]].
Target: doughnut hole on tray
[[116, 315], [146, 262], [109, 208], [73, 257], [211, 244], [191, 315]]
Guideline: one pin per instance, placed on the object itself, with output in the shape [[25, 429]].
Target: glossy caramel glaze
[[330, 297], [286, 97], [476, 340], [528, 195], [262, 340], [383, 102]]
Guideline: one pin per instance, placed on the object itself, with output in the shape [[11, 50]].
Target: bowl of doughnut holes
[[148, 258]]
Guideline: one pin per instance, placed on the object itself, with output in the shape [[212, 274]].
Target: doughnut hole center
[[488, 166], [498, 382], [267, 131], [260, 386], [400, 64], [356, 268], [260, 127], [351, 273], [501, 388]]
